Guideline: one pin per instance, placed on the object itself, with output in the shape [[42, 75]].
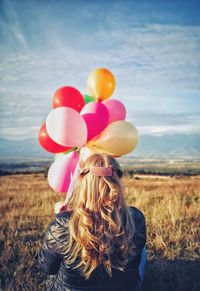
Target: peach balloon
[[118, 139]]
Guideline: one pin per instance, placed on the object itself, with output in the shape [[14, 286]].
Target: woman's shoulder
[[58, 227], [139, 219], [62, 218], [140, 228], [136, 213]]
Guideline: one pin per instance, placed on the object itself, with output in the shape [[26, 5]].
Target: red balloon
[[68, 97], [48, 144]]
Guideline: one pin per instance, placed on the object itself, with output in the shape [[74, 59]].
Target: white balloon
[[66, 127]]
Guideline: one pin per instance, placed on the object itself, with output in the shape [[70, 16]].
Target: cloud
[[17, 133], [156, 63], [163, 123], [169, 129], [11, 26], [145, 59]]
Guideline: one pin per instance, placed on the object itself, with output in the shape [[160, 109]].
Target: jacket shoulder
[[62, 218], [137, 214], [139, 237], [58, 230]]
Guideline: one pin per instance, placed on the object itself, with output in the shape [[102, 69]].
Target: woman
[[96, 243]]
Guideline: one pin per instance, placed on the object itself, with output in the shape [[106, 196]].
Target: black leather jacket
[[51, 260]]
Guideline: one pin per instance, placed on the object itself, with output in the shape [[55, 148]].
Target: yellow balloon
[[101, 84], [118, 139]]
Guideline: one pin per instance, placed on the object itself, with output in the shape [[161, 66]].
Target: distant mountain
[[167, 145], [176, 145], [22, 148]]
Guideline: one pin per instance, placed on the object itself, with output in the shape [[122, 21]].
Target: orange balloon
[[101, 84]]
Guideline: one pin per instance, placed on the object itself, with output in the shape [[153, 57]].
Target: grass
[[171, 208]]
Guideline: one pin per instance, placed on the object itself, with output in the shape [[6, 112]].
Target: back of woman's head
[[100, 228]]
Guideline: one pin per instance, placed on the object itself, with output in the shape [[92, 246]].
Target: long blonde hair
[[100, 227]]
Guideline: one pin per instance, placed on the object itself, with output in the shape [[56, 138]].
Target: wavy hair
[[100, 227]]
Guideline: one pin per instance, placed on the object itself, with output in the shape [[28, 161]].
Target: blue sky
[[152, 48]]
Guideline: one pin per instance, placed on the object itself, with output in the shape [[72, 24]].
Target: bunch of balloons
[[85, 121]]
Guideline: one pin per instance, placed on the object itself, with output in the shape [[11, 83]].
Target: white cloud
[[169, 129], [17, 133]]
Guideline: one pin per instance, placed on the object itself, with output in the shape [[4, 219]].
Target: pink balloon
[[66, 127], [61, 172], [96, 117], [116, 109]]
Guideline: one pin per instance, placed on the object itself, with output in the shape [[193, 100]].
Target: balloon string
[[73, 180]]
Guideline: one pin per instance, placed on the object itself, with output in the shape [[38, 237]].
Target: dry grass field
[[171, 207]]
